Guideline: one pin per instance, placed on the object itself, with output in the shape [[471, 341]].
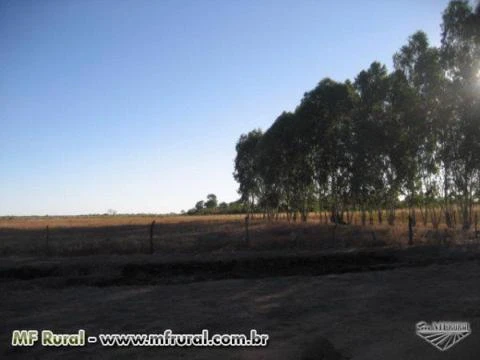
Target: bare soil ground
[[348, 304]]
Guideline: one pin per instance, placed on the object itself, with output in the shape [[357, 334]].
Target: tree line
[[212, 206], [405, 138]]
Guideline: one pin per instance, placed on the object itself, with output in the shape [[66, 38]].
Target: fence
[[64, 236]]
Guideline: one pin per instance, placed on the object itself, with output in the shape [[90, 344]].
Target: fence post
[[47, 240], [476, 225], [247, 233], [410, 230], [152, 227]]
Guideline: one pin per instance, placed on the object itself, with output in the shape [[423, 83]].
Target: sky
[[137, 105]]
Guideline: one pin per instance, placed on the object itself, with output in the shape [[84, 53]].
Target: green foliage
[[200, 205], [211, 202], [411, 135], [246, 167], [211, 206]]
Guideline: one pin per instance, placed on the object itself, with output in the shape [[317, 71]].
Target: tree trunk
[[391, 216]]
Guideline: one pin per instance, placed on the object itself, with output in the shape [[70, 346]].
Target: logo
[[443, 334]]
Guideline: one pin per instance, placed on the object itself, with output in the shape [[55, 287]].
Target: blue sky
[[137, 105]]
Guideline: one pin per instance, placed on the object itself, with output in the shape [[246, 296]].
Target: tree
[[461, 61], [284, 167], [418, 82], [325, 113], [200, 205], [409, 136], [246, 168], [420, 64], [372, 182], [211, 202], [223, 206]]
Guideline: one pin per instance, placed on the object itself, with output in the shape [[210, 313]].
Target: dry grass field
[[88, 235], [127, 234]]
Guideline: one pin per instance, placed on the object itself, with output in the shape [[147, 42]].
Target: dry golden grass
[[85, 235], [40, 222], [127, 234], [92, 221]]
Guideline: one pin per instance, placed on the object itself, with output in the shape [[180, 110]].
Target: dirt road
[[367, 315]]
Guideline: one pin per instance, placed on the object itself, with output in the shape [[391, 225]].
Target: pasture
[[131, 234], [316, 288]]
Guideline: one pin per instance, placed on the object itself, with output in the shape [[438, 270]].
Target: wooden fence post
[[152, 227], [410, 230], [476, 225], [47, 240], [247, 233]]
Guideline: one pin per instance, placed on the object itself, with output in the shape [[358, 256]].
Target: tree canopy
[[411, 135]]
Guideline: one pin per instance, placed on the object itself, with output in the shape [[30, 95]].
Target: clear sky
[[137, 105]]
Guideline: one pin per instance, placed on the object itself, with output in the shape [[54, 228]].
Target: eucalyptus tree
[[461, 60], [406, 133], [302, 170], [325, 113], [273, 167], [369, 181], [246, 168], [420, 64], [414, 132], [285, 168]]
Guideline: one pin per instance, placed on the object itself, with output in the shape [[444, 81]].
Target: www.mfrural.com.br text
[[167, 338]]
